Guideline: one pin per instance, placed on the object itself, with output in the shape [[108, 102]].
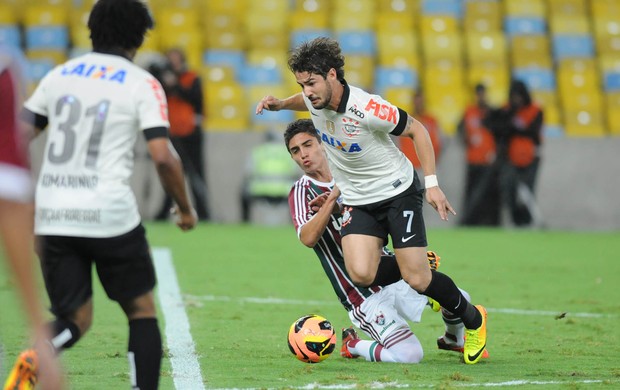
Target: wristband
[[430, 181]]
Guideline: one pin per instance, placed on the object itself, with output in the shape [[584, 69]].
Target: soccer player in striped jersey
[[380, 310], [381, 191]]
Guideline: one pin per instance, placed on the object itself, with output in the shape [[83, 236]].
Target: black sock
[[65, 334], [443, 290], [387, 272], [144, 353]]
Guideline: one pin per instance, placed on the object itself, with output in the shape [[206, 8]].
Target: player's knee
[[361, 280], [140, 307], [418, 281], [83, 317]]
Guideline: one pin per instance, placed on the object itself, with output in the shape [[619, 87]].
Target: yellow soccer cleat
[[476, 340], [435, 306], [23, 376]]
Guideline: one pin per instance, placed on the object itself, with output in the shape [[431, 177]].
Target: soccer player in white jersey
[[380, 310], [16, 196], [94, 107], [381, 192]]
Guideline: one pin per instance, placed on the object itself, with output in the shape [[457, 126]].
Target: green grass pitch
[[244, 285]]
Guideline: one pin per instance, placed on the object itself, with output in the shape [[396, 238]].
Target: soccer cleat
[[433, 260], [447, 343], [435, 306], [476, 339], [348, 334], [23, 376]]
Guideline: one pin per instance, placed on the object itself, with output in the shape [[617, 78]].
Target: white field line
[[185, 367], [282, 301], [396, 385]]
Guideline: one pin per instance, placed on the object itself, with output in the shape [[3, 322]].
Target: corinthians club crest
[[350, 127]]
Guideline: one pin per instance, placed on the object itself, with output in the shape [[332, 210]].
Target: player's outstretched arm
[[270, 103], [170, 171]]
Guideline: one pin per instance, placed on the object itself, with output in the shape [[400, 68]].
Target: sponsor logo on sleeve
[[382, 111]]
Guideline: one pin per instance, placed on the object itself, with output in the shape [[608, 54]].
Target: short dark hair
[[120, 24], [518, 87], [300, 126], [317, 56]]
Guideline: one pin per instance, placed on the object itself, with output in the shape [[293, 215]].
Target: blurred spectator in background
[[431, 124], [16, 230], [185, 109], [482, 202], [518, 131], [270, 173]]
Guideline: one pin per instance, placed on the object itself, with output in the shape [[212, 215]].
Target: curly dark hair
[[300, 126], [118, 24], [317, 56]]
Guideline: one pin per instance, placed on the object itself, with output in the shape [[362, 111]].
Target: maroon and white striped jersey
[[328, 248]]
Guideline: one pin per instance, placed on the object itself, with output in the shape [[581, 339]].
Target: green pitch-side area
[[553, 301]]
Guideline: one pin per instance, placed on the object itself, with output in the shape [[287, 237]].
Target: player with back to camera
[[380, 310], [381, 192], [97, 105]]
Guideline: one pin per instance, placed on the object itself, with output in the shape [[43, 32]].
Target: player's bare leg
[[413, 264], [362, 254]]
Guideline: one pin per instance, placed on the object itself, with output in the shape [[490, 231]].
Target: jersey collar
[[342, 107]]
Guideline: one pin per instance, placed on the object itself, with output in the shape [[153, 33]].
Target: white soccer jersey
[[96, 105], [366, 164]]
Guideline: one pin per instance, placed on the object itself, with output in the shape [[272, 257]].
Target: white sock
[[404, 347]]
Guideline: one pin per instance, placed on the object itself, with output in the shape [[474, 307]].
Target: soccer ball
[[311, 338]]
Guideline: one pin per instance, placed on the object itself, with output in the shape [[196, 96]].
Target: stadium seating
[[8, 15], [349, 15], [442, 7], [531, 51], [567, 51], [10, 35], [482, 16], [521, 25], [612, 100], [386, 77]]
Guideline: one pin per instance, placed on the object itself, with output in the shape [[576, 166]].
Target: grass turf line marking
[[282, 301], [396, 385], [185, 367]]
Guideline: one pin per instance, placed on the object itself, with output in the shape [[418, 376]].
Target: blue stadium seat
[[269, 117], [39, 68], [523, 25], [358, 42], [256, 74], [9, 35], [443, 7], [536, 78], [47, 38], [233, 58], [300, 36], [612, 82], [386, 77], [572, 46]]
